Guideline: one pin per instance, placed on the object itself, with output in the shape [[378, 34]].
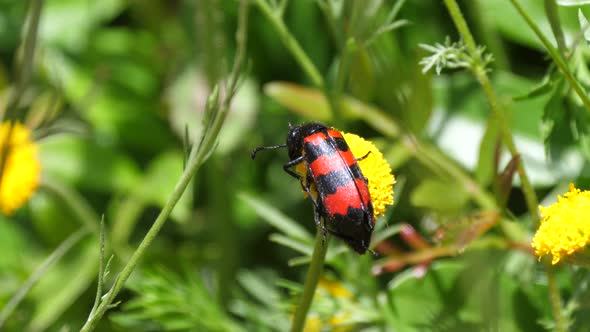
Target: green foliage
[[169, 301], [147, 111], [450, 55]]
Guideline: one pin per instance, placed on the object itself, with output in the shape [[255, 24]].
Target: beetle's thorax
[[298, 133]]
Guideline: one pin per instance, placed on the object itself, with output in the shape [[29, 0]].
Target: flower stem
[[557, 58], [311, 281], [553, 17], [480, 73], [555, 298], [291, 43]]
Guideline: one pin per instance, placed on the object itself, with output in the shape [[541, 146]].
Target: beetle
[[333, 180]]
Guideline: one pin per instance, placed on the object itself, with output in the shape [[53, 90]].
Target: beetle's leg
[[305, 185], [318, 222], [307, 188], [292, 163], [363, 157]]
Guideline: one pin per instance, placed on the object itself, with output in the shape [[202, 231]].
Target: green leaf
[[484, 172], [504, 17], [584, 25], [419, 102], [306, 102], [276, 218], [438, 195], [311, 103]]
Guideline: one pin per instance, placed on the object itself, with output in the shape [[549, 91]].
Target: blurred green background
[[118, 87]]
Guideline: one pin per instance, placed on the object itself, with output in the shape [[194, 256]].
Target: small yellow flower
[[21, 173], [313, 323], [565, 226], [338, 321], [374, 167], [335, 289]]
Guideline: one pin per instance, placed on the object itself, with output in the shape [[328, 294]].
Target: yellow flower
[[313, 323], [374, 167], [21, 173], [565, 226], [339, 321], [335, 289]]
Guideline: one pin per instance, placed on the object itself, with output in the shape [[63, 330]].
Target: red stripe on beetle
[[347, 196], [335, 133], [325, 164], [348, 157], [315, 139], [364, 191]]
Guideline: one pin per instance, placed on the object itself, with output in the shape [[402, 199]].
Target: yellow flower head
[[21, 173], [565, 226], [336, 321], [374, 167]]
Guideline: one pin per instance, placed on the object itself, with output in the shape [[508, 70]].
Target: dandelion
[[21, 172], [565, 227]]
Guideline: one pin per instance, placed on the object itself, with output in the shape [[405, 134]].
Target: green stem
[[557, 58], [529, 192], [552, 13], [101, 273], [145, 243], [479, 71], [291, 43], [311, 281], [198, 155], [560, 325], [41, 271]]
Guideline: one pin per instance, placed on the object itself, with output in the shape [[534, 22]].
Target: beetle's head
[[298, 133]]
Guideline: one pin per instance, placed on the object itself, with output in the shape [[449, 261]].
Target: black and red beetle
[[333, 180]]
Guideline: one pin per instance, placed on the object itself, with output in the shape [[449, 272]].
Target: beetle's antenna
[[260, 148]]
